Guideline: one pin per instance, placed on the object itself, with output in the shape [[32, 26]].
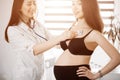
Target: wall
[[6, 57], [116, 21]]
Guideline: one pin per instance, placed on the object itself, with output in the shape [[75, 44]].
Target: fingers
[[70, 34], [73, 34], [82, 71], [85, 72]]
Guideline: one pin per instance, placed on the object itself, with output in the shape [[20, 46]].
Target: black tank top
[[76, 46]]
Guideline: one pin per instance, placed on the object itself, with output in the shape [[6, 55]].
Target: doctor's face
[[28, 8], [77, 8]]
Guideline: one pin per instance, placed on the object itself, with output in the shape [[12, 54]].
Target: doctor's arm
[[41, 47]]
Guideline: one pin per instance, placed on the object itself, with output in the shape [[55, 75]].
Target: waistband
[[86, 65]]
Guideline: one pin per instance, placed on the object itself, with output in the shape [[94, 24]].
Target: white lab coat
[[21, 38]]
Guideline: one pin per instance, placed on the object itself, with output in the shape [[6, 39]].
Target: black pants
[[68, 72]]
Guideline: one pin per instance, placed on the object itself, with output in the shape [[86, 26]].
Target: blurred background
[[57, 16]]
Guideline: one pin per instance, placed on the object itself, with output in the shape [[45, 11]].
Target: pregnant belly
[[69, 59]]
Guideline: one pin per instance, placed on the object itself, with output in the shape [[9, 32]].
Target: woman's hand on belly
[[85, 72]]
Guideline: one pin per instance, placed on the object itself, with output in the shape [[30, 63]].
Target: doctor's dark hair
[[92, 15], [15, 17]]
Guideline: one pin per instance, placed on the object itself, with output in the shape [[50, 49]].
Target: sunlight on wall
[[58, 14]]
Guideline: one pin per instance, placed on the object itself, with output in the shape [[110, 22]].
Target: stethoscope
[[37, 33]]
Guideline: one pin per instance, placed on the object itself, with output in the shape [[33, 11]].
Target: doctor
[[29, 40]]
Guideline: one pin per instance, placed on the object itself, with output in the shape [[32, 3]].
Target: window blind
[[107, 11], [59, 15]]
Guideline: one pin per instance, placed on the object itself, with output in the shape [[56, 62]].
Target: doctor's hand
[[68, 35]]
